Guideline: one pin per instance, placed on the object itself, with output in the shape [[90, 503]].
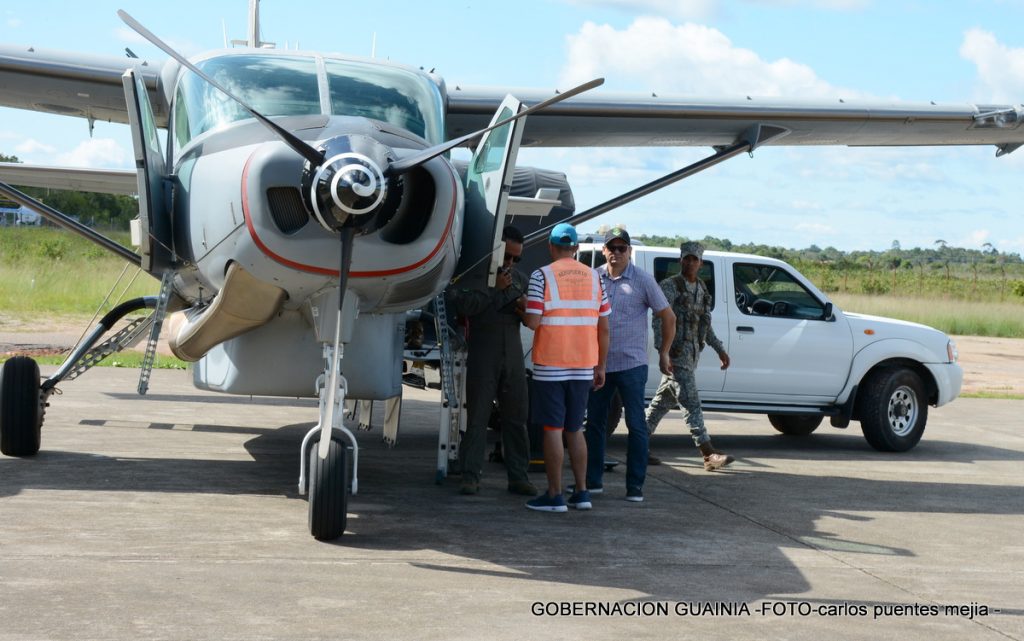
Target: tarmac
[[176, 516]]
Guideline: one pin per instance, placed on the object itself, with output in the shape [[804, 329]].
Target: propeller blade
[[305, 150], [409, 162]]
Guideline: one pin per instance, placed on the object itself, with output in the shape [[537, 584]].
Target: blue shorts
[[559, 404]]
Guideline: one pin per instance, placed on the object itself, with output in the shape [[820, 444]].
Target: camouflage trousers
[[679, 391]]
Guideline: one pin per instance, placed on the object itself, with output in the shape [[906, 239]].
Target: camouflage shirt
[[692, 307]]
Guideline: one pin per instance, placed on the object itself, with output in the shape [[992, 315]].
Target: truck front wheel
[[893, 409]]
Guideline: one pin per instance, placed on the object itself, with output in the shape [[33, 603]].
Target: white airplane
[[305, 203]]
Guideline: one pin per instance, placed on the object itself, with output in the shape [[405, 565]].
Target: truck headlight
[[952, 352]]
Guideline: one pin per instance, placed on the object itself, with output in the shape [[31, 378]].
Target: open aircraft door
[[154, 237], [487, 185]]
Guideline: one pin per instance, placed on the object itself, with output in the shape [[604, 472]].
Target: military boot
[[713, 459]]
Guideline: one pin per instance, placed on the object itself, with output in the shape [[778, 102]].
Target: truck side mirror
[[827, 315]]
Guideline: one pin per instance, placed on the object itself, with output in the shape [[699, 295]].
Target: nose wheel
[[328, 493]]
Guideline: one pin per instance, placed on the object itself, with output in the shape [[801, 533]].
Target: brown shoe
[[524, 488], [469, 486], [653, 460], [713, 459]]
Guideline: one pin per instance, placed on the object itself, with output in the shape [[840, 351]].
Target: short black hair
[[512, 233]]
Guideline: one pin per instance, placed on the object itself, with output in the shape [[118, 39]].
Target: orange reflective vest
[[567, 336]]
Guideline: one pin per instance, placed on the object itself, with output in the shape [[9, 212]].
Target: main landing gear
[[24, 399]]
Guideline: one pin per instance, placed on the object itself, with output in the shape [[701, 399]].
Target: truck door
[[780, 343]]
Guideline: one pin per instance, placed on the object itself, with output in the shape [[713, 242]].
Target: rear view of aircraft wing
[[71, 84], [632, 120], [90, 87], [104, 181]]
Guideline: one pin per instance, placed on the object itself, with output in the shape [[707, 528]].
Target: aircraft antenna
[[224, 30], [254, 24], [373, 46]]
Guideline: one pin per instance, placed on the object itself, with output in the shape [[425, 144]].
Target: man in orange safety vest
[[567, 309]]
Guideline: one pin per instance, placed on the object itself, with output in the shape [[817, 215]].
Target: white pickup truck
[[798, 358]]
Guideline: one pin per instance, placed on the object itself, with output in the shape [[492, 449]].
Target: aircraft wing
[[104, 181], [71, 84], [632, 120]]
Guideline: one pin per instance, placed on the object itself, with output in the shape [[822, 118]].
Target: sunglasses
[[514, 259], [617, 249]]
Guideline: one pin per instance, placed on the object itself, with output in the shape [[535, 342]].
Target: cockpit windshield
[[389, 94], [272, 85], [277, 85]]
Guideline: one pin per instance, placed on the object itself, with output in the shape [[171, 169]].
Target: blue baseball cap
[[564, 234]]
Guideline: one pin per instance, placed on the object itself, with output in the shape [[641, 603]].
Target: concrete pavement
[[175, 516]]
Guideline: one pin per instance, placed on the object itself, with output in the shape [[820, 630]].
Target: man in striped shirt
[[568, 311]]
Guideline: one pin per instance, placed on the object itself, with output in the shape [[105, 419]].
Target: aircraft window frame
[[768, 299], [666, 267]]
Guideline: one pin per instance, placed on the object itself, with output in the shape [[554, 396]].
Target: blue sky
[[964, 51]]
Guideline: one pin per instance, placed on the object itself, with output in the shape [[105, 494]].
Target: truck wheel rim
[[902, 411]]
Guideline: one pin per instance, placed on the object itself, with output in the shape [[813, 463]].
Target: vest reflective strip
[[568, 320], [551, 282], [569, 304]]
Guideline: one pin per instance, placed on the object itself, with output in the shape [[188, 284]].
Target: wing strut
[[752, 138], [69, 223]]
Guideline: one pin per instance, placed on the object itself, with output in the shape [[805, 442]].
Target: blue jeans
[[631, 384]]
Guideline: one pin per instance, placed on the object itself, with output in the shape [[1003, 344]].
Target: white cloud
[[32, 146], [1000, 68], [657, 55], [96, 153], [974, 240], [14, 23]]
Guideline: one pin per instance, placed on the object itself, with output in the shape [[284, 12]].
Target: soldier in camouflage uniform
[[691, 304]]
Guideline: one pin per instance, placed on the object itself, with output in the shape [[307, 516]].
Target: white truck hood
[[882, 328]]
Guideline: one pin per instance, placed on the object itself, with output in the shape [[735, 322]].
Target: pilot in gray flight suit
[[495, 370]]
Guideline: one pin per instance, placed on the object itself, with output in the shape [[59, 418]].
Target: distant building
[[12, 215]]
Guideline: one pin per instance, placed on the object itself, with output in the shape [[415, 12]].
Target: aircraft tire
[[795, 425], [21, 416], [328, 492]]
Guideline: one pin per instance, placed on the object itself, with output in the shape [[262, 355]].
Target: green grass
[[995, 395], [123, 359], [52, 272], [962, 317]]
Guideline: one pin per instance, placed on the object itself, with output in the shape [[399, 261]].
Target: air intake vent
[[286, 207]]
